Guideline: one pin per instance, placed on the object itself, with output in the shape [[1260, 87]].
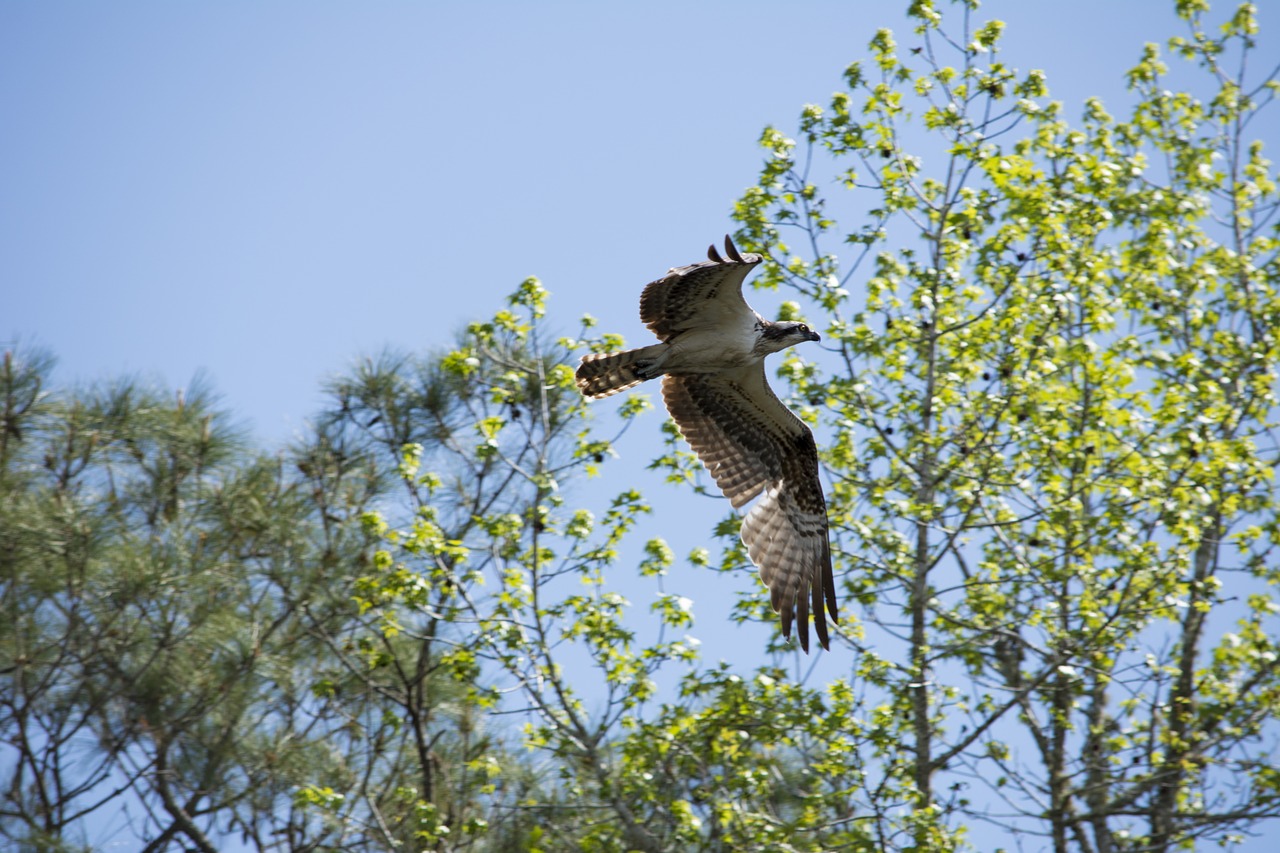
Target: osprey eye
[[804, 328]]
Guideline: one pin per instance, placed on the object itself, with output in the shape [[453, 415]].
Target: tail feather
[[608, 373]]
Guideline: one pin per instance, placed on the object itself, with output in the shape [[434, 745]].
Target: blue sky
[[263, 192]]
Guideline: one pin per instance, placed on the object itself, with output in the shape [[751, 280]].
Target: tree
[[1050, 417], [159, 585], [1047, 420], [193, 635], [488, 580]]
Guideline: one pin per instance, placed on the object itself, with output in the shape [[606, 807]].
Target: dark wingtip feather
[[829, 584], [818, 621], [802, 617], [787, 617], [732, 250], [713, 254]]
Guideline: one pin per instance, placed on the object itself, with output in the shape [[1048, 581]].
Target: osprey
[[712, 362]]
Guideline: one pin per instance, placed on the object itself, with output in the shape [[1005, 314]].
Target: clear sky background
[[263, 192]]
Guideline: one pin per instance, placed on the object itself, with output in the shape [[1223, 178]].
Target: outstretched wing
[[704, 294], [753, 445]]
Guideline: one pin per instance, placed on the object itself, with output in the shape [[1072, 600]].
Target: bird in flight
[[711, 359]]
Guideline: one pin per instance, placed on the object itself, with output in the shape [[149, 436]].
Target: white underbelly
[[709, 352]]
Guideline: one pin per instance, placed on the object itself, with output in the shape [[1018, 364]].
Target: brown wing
[[699, 295], [752, 444]]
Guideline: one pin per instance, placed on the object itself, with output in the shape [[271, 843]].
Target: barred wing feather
[[754, 446]]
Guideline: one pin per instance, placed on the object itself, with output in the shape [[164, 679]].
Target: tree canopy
[[1046, 414]]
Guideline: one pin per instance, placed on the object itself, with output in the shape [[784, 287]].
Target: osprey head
[[778, 336]]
